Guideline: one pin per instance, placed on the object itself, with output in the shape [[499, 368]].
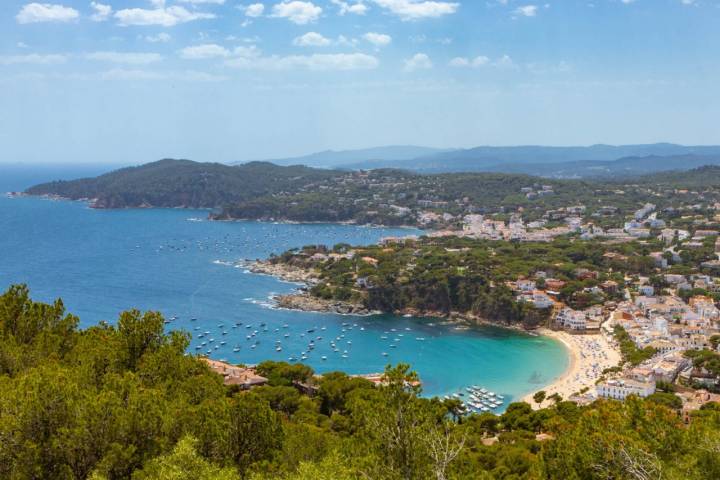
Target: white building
[[623, 388]]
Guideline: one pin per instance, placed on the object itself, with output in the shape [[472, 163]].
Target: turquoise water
[[102, 262]]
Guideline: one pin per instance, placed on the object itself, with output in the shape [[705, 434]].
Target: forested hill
[[184, 183], [264, 191], [702, 177]]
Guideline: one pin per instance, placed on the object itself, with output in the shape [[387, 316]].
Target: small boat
[[323, 357], [384, 354]]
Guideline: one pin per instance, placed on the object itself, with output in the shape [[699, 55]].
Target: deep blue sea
[[101, 262]]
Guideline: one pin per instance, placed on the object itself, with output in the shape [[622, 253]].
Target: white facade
[[621, 389]]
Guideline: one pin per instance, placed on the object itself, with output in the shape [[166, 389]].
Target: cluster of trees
[[125, 401], [451, 274]]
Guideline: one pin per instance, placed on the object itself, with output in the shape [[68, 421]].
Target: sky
[[132, 81]]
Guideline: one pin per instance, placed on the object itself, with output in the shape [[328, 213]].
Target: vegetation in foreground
[[125, 401]]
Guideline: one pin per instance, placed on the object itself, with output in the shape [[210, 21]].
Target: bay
[[101, 262]]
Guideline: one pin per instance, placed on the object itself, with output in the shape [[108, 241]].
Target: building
[[246, 378], [572, 320], [622, 388]]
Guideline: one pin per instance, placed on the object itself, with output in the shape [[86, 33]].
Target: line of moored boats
[[478, 399]]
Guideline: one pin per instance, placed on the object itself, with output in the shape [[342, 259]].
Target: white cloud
[[357, 8], [167, 17], [418, 9], [125, 57], [161, 37], [296, 11], [198, 2], [317, 62], [212, 50], [199, 52], [102, 12], [479, 61], [46, 12], [146, 75], [33, 58], [505, 62], [419, 61], [312, 39], [687, 2], [255, 10], [378, 39], [526, 10]]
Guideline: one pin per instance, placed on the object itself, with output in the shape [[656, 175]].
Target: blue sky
[[130, 81]]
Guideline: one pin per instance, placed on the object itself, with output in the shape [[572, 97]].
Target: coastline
[[91, 203], [588, 356]]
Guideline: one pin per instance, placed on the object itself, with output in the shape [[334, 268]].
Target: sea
[[102, 262]]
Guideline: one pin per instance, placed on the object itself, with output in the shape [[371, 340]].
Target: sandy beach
[[589, 356]]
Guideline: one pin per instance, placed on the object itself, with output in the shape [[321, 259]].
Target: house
[[526, 285], [646, 290], [609, 286], [554, 284], [246, 378]]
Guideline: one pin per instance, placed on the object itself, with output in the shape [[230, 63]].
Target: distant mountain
[[622, 168], [332, 158], [522, 159], [184, 183]]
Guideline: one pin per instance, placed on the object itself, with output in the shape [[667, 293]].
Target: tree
[[254, 431], [183, 463], [539, 397]]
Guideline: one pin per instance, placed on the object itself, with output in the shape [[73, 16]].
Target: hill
[[626, 167], [333, 158], [572, 162], [702, 177], [184, 183]]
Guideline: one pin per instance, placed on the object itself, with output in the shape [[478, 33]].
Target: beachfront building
[[622, 388], [572, 319]]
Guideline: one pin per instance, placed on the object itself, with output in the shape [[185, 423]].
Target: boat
[[384, 354], [323, 357]]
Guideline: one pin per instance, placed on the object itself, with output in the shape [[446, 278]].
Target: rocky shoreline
[[305, 302], [287, 273]]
